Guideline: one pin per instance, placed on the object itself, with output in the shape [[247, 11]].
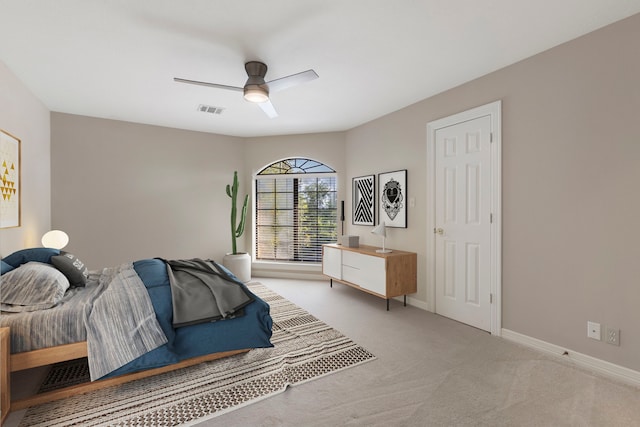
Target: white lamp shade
[[55, 239], [380, 230]]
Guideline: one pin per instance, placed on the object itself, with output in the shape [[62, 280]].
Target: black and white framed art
[[393, 198], [364, 207]]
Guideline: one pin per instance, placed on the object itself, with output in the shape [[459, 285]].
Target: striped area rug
[[304, 349]]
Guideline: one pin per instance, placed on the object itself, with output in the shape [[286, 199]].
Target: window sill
[[289, 270]]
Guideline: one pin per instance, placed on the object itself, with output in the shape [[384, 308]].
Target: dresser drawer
[[365, 271]]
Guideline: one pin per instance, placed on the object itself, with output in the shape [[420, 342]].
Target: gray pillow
[[32, 286], [72, 267]]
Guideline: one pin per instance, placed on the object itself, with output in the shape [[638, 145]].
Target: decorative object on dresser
[[238, 262], [393, 198], [364, 211], [350, 241], [385, 275], [10, 205], [381, 230]]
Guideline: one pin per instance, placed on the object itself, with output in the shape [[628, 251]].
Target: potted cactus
[[238, 262]]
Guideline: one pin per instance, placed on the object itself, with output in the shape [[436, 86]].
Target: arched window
[[296, 210]]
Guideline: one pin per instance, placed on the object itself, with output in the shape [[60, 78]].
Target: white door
[[463, 221]]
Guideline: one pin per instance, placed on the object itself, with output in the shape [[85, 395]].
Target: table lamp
[[55, 239], [381, 230]]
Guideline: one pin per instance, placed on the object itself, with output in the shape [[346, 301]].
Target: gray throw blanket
[[122, 324], [202, 291]]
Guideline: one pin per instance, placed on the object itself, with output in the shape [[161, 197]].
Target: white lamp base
[[383, 251]]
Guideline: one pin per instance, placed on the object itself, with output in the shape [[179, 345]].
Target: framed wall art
[[393, 198], [9, 180], [364, 209]]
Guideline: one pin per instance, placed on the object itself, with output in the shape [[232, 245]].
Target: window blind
[[295, 216]]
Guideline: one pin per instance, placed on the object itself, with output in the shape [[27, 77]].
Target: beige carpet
[[433, 371], [305, 349]]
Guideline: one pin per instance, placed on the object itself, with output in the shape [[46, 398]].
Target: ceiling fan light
[[255, 93]]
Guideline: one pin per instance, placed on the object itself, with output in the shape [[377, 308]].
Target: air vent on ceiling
[[210, 109]]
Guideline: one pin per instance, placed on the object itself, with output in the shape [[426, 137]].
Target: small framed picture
[[393, 198], [10, 180], [364, 207]]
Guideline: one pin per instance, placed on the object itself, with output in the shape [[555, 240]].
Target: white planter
[[239, 264]]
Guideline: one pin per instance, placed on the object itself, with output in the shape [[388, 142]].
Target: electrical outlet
[[613, 336], [593, 330]]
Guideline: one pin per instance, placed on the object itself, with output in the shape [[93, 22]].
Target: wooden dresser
[[385, 275]]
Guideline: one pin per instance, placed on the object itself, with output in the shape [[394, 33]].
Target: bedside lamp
[[55, 239], [381, 230]]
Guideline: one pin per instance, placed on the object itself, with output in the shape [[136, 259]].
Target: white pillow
[[32, 286]]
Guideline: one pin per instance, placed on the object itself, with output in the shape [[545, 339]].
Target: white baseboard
[[600, 366], [416, 303], [306, 272], [413, 302], [288, 275], [287, 270]]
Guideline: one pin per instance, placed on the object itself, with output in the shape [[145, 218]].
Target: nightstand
[[5, 374]]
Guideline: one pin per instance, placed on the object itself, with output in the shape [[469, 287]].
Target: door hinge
[[491, 218], [490, 298]]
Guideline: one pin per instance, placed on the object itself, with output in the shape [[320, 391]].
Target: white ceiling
[[116, 59]]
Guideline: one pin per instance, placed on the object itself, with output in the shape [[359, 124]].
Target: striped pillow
[[32, 286]]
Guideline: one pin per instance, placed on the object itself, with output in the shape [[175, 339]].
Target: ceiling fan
[[256, 89]]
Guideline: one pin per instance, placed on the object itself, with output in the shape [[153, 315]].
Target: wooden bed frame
[[51, 355]]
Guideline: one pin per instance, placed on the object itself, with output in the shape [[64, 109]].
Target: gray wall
[[571, 157], [26, 118], [125, 191]]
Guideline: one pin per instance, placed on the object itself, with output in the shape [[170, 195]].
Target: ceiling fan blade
[[268, 109], [292, 80], [195, 82]]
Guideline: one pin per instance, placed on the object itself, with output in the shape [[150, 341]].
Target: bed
[[67, 331]]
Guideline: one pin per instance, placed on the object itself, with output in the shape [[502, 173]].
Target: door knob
[[440, 231]]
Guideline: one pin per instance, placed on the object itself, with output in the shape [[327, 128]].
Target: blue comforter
[[252, 330]]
